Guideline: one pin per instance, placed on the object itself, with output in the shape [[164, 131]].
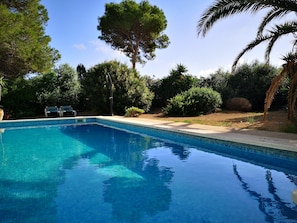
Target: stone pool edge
[[268, 139], [261, 138]]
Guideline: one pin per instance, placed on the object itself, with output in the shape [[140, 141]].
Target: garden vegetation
[[30, 80]]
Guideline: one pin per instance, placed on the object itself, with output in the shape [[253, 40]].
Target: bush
[[128, 88], [177, 82], [195, 101], [175, 106], [251, 82], [239, 104], [20, 98], [133, 112]]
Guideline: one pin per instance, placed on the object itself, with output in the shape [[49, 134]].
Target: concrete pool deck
[[269, 139]]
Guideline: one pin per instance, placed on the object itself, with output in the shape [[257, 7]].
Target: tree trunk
[[133, 64]]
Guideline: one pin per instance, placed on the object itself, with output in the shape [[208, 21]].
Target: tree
[[218, 81], [177, 82], [274, 10], [81, 71], [20, 99], [128, 88], [60, 87], [289, 71], [24, 47], [251, 82], [134, 29]]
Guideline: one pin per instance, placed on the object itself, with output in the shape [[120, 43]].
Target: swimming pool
[[90, 170]]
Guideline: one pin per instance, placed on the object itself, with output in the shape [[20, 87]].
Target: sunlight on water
[[100, 159], [26, 194], [118, 171]]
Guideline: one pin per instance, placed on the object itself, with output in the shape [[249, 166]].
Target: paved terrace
[[276, 140]]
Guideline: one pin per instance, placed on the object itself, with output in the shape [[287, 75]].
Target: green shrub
[[128, 88], [251, 81], [133, 112], [195, 101], [177, 82], [175, 106]]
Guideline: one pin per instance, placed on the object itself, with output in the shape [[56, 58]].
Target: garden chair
[[67, 110], [51, 111]]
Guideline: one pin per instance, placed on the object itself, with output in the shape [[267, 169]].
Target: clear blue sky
[[73, 29]]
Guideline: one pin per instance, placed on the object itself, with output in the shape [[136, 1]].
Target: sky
[[72, 27]]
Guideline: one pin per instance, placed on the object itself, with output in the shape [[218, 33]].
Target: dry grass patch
[[276, 120]]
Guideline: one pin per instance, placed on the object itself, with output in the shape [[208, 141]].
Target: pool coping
[[261, 138], [267, 139]]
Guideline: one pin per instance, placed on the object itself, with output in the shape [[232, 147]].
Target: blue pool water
[[94, 173]]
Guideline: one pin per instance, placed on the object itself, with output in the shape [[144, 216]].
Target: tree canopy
[[177, 81], [24, 46], [59, 87], [134, 29], [128, 88]]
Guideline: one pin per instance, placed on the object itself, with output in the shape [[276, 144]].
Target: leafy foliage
[[28, 97], [20, 99], [81, 71], [274, 11], [134, 29], [133, 112], [61, 87], [24, 47], [252, 82], [128, 88], [177, 82], [195, 101], [218, 81]]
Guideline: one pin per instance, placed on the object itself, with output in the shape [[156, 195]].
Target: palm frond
[[250, 46], [277, 32], [276, 9], [219, 10], [285, 5], [292, 98], [271, 15], [290, 57], [225, 8], [276, 82]]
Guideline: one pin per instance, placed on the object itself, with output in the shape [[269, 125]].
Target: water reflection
[[105, 170], [182, 152], [292, 178], [131, 199], [134, 197], [138, 185], [274, 209]]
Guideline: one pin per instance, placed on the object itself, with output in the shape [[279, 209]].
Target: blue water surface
[[93, 173]]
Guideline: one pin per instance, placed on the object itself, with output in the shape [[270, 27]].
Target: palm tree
[[289, 70], [275, 9]]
